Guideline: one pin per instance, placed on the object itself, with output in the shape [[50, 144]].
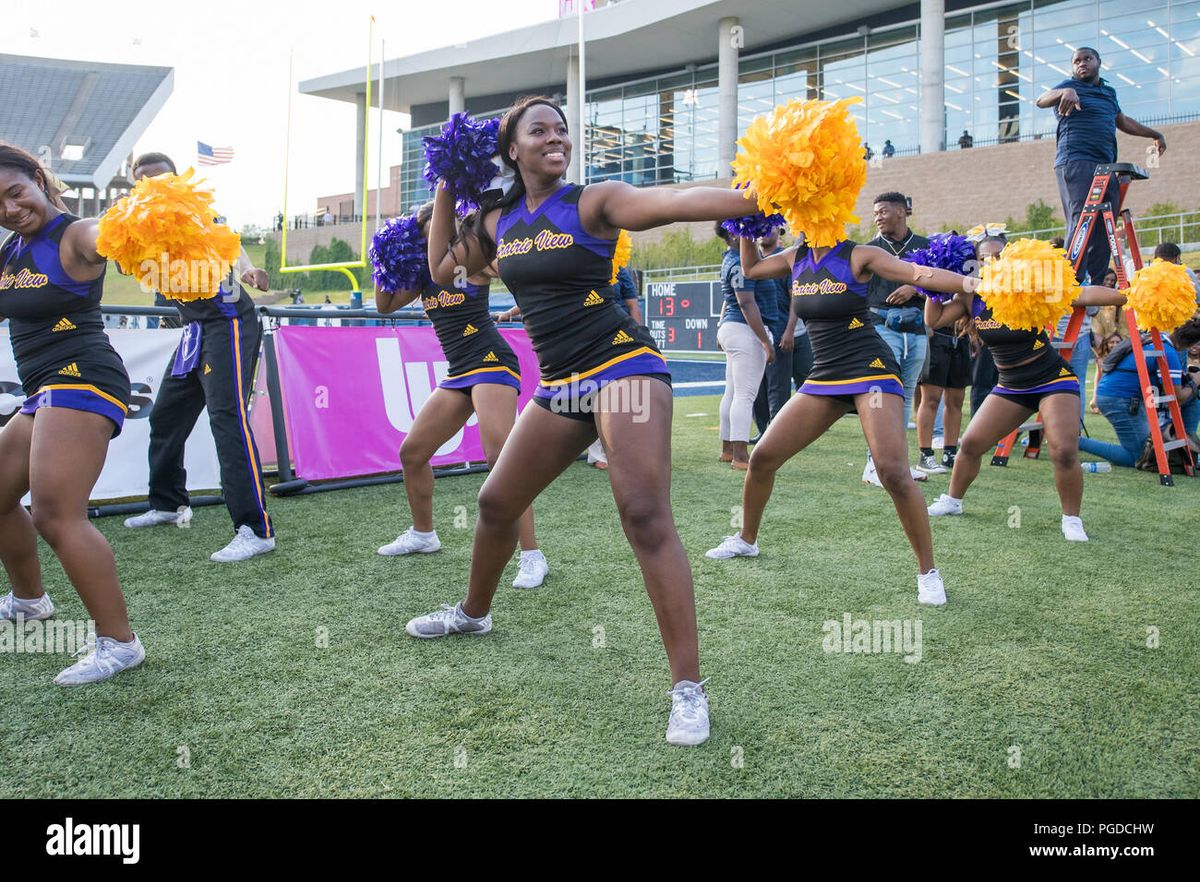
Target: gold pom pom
[[621, 254], [805, 160], [1161, 295], [1030, 285], [164, 233]]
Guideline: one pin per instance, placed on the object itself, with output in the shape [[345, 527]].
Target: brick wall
[[957, 188], [961, 188]]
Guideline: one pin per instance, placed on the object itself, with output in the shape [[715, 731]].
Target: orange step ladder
[[1097, 213]]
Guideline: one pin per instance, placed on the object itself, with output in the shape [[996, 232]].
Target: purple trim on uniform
[[519, 212], [44, 253], [1067, 384], [76, 399], [836, 261], [564, 217], [854, 387], [646, 363], [499, 378]]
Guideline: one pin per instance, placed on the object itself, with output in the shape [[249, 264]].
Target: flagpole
[[583, 157], [379, 157]]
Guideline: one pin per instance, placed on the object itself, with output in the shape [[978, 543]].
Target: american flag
[[206, 155]]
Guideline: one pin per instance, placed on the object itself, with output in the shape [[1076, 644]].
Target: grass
[[1043, 647]]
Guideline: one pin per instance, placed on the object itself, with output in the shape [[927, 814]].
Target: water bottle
[[1097, 466]]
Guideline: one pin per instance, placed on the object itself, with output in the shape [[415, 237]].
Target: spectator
[[868, 153], [776, 385], [888, 150], [327, 217], [748, 347], [1088, 118], [1058, 241], [943, 384], [965, 141], [1170, 252], [898, 309], [1120, 398]]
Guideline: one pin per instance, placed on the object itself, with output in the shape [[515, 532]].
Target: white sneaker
[[732, 546], [448, 620], [181, 517], [930, 466], [917, 474], [945, 505], [869, 475], [12, 606], [533, 570], [244, 546], [938, 441], [105, 658], [930, 590], [688, 725], [409, 542], [1072, 528]]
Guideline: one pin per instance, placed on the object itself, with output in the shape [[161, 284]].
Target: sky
[[231, 78]]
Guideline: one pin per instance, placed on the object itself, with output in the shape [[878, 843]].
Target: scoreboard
[[683, 316]]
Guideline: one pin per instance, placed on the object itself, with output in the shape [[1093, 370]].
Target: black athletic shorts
[[949, 363], [583, 408]]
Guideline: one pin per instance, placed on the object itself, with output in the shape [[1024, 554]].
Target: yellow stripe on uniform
[[516, 376], [852, 380], [255, 472], [620, 358], [84, 387]]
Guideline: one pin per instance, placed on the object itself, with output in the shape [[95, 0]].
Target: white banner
[[126, 471]]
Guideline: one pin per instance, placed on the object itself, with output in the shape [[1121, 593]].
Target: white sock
[[462, 612], [531, 553], [421, 535], [24, 601]]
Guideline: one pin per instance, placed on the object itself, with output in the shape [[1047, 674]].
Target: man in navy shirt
[[1088, 117]]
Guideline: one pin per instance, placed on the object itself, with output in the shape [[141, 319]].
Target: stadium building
[[82, 119], [671, 83]]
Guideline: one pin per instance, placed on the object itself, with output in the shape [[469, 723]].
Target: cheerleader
[[601, 375], [853, 369], [77, 396], [484, 378], [1033, 378]]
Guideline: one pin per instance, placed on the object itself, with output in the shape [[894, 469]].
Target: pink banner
[[350, 396]]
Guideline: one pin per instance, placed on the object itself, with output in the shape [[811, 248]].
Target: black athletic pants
[[223, 382]]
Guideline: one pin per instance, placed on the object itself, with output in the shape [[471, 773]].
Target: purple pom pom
[[953, 253], [398, 256], [754, 226], [462, 157]]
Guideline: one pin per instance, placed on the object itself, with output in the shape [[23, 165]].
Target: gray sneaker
[[105, 658], [448, 620], [181, 517], [12, 606], [930, 466], [688, 723]]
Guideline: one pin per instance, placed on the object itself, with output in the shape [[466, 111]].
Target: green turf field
[[1036, 680]]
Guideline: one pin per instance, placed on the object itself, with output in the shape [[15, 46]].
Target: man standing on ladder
[[1088, 118]]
